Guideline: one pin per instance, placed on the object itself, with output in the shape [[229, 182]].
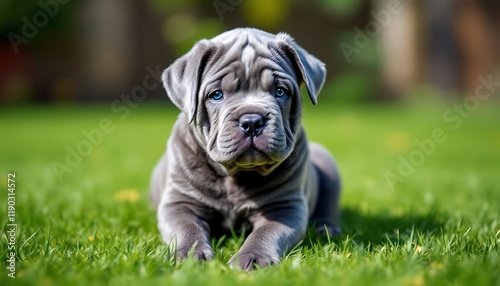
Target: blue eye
[[280, 92], [216, 95]]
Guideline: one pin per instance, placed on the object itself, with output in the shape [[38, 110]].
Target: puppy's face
[[244, 98], [249, 109]]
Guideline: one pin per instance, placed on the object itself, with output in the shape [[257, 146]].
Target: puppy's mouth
[[252, 160]]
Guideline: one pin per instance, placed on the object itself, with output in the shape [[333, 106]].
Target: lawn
[[420, 202]]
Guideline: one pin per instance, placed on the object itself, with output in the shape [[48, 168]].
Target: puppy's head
[[241, 94]]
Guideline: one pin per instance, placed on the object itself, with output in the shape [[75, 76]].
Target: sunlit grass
[[440, 226]]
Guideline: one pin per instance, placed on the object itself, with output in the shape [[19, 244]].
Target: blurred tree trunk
[[400, 48], [477, 30], [443, 60], [107, 62]]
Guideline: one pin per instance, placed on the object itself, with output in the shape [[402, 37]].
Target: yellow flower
[[397, 142], [417, 280], [418, 249], [126, 196], [437, 266], [93, 237]]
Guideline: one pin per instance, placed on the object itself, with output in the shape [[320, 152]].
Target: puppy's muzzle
[[252, 124]]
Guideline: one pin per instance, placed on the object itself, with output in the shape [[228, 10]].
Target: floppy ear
[[182, 79], [312, 70]]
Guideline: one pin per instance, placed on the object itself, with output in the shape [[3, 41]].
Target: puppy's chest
[[233, 203]]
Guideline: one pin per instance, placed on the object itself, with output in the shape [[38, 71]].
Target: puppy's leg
[[275, 231], [158, 181], [182, 223], [326, 212]]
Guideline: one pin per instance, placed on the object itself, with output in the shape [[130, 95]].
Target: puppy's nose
[[252, 124]]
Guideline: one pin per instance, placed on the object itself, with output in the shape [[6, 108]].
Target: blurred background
[[56, 51], [399, 72]]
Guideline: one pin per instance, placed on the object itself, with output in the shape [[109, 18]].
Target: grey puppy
[[238, 157]]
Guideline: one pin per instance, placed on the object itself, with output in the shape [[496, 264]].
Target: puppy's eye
[[280, 92], [216, 95]]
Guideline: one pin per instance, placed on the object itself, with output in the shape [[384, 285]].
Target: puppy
[[238, 156]]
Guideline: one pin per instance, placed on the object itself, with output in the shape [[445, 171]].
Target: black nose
[[252, 124]]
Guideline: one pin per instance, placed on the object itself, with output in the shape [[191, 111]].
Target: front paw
[[331, 230], [200, 252], [248, 260]]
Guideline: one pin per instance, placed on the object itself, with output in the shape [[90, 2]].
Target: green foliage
[[351, 87], [340, 8], [12, 14], [96, 227]]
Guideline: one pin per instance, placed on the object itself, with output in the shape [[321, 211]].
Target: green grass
[[441, 226]]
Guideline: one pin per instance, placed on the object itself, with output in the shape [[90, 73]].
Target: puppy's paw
[[248, 260], [331, 229], [199, 253]]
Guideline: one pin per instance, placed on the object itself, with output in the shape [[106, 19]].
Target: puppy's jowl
[[238, 157]]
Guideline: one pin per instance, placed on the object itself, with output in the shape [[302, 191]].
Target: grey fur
[[214, 176]]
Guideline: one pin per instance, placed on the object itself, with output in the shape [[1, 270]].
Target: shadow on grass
[[359, 229], [375, 229]]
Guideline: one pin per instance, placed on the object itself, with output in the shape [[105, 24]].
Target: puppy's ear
[[182, 79], [312, 70]]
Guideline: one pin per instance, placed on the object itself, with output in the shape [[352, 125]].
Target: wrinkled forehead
[[247, 62]]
